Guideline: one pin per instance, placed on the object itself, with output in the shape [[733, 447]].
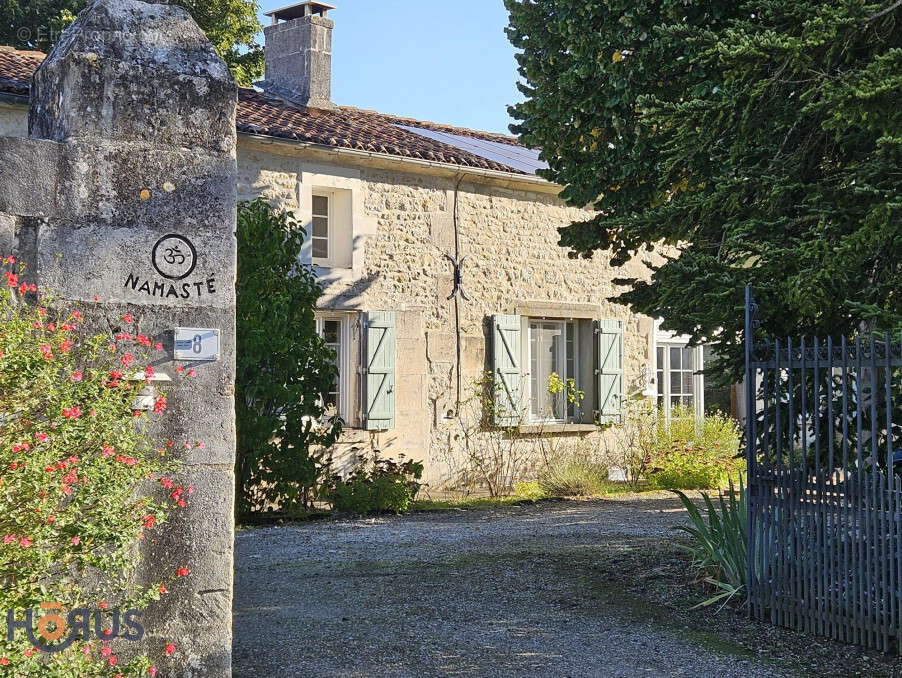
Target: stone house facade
[[389, 205]]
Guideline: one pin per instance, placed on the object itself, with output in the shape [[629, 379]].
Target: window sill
[[556, 428]]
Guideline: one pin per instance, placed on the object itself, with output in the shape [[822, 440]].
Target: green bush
[[718, 546], [693, 454], [574, 478], [282, 368], [385, 487]]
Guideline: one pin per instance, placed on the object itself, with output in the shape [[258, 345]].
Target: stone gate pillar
[[126, 191]]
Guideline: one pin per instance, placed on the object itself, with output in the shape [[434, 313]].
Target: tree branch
[[885, 10]]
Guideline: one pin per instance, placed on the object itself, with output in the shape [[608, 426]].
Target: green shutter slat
[[506, 369], [609, 373], [380, 370]]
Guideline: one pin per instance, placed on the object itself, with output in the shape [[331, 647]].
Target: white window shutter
[[506, 370], [609, 373], [380, 370]]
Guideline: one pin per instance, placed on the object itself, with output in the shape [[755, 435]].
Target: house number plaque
[[196, 343]]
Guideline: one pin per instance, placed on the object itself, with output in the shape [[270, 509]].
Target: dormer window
[[321, 230]]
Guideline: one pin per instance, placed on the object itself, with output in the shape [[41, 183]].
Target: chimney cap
[[299, 10]]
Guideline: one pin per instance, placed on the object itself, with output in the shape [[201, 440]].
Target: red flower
[[76, 376], [170, 648], [128, 317], [148, 372], [141, 339], [158, 346], [127, 359], [25, 542], [46, 352], [102, 605], [72, 413], [160, 405], [162, 589], [106, 451], [192, 372], [65, 346], [165, 482], [76, 315], [10, 259], [183, 572], [152, 671], [76, 541], [12, 279], [106, 651], [113, 660], [4, 661], [42, 437]]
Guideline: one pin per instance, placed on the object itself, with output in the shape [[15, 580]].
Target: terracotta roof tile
[[344, 127], [16, 67]]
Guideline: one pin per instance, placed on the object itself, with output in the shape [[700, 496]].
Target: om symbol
[[174, 256]]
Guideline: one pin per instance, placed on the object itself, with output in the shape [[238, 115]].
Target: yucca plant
[[719, 540]]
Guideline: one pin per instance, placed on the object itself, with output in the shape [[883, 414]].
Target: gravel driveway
[[512, 591]]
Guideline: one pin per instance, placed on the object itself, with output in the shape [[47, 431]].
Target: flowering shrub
[[77, 477], [693, 454]]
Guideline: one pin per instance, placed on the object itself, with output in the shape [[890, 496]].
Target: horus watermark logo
[[53, 626]]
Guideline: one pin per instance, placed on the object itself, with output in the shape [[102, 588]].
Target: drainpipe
[[456, 300]]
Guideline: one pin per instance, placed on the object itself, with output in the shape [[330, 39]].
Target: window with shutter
[[380, 370], [506, 369], [609, 373]]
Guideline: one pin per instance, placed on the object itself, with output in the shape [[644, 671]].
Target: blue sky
[[439, 60]]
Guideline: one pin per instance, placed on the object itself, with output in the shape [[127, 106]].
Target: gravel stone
[[497, 592]]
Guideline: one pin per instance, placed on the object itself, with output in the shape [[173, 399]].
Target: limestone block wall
[[510, 235], [13, 120]]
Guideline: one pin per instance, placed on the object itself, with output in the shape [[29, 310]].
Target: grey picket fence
[[823, 431]]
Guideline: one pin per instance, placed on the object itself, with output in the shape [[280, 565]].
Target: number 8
[[197, 346]]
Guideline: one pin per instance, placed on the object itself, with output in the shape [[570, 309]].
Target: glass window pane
[[330, 331], [675, 355], [320, 248], [660, 356], [320, 227], [687, 382], [689, 359], [675, 383], [660, 382], [320, 205]]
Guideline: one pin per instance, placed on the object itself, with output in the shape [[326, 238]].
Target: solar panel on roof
[[515, 157]]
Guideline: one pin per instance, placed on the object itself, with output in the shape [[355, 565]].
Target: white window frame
[[698, 379], [329, 259], [560, 360], [344, 344]]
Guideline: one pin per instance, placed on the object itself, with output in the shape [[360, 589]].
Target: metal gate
[[823, 429]]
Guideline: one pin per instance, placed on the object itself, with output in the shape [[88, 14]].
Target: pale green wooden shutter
[[609, 373], [506, 369], [380, 370]]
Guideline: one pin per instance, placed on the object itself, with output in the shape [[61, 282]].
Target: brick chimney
[[299, 54]]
